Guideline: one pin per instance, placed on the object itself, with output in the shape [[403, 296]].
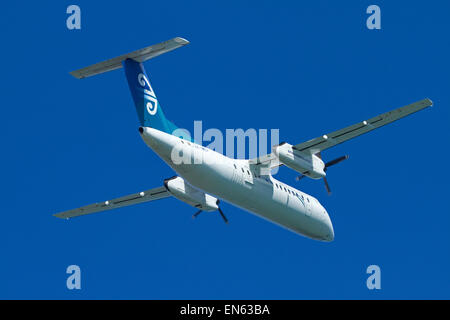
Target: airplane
[[245, 183]]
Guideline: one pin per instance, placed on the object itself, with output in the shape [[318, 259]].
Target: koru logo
[[143, 80], [152, 105]]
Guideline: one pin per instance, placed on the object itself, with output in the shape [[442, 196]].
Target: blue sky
[[306, 68]]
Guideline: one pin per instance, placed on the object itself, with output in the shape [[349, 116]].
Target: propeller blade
[[223, 216], [301, 176], [327, 186], [196, 214], [335, 161]]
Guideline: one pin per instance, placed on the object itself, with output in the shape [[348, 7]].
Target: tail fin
[[149, 111], [147, 106]]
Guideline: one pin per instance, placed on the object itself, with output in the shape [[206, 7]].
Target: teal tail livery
[[149, 110], [147, 106]]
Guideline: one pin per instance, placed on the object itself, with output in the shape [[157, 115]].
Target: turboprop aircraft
[[247, 184]]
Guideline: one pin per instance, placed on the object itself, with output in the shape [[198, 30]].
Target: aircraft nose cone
[[330, 235], [327, 228]]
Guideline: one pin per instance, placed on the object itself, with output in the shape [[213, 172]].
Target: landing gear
[[220, 211]]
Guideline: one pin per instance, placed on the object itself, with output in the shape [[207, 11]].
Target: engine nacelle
[[183, 191], [308, 164]]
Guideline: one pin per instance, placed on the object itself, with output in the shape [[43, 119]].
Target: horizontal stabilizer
[[140, 55]]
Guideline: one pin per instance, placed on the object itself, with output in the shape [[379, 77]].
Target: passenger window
[[242, 170], [248, 172], [234, 166]]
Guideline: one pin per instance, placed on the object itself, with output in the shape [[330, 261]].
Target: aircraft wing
[[269, 160], [329, 140], [334, 138], [135, 198]]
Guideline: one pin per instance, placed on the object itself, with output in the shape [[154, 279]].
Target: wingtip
[[181, 40], [76, 74], [59, 216]]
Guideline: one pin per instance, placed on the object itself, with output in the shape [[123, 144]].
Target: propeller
[[328, 164], [196, 214], [218, 208], [300, 176], [223, 216], [335, 161]]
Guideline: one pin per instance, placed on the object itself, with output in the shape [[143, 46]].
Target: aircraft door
[[308, 205], [237, 174]]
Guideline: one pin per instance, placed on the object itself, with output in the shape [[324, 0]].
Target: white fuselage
[[235, 182]]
